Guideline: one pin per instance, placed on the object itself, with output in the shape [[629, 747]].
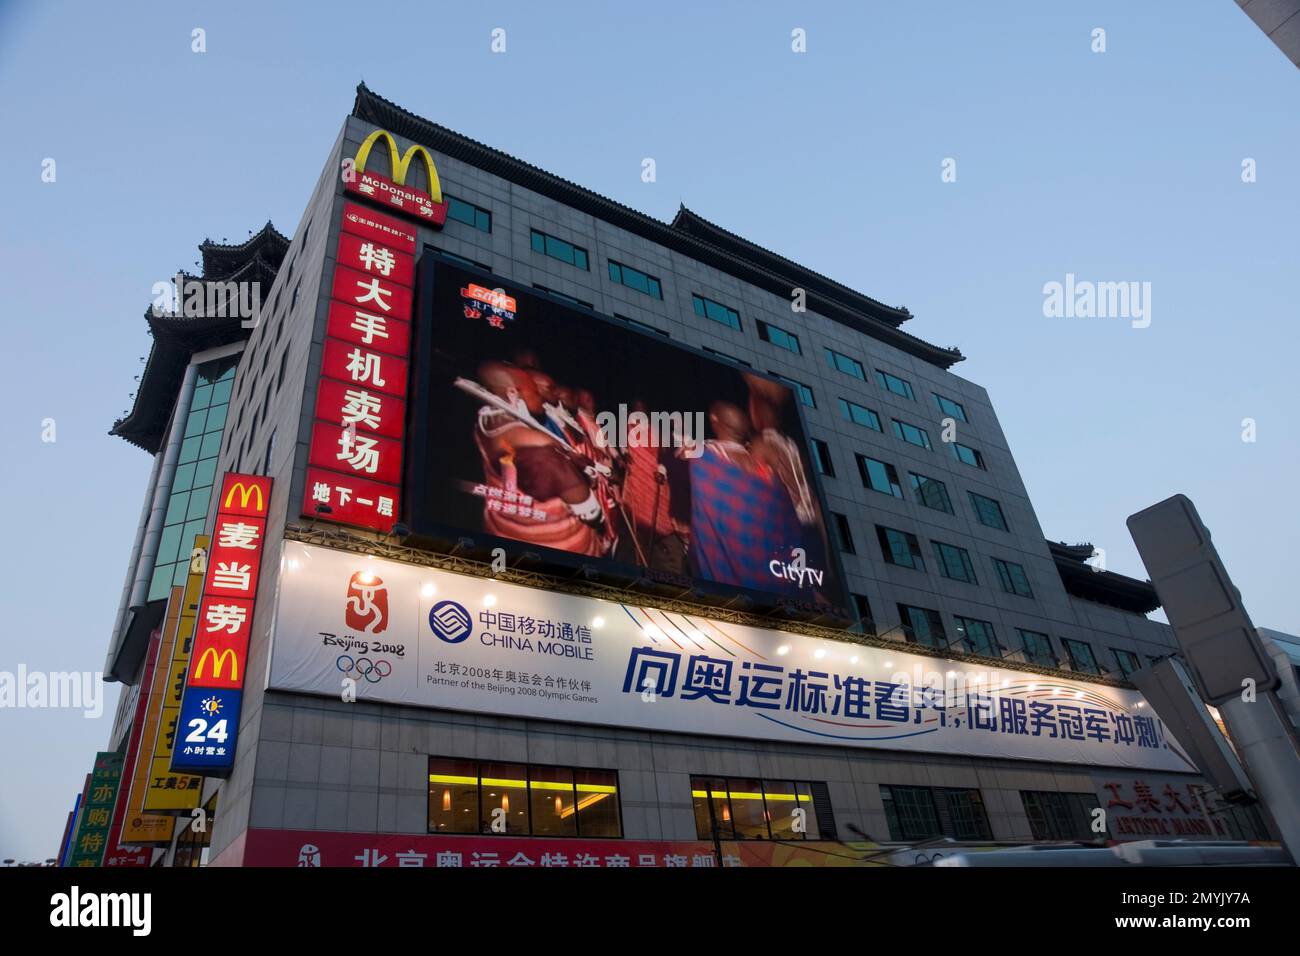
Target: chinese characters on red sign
[[354, 469], [209, 716]]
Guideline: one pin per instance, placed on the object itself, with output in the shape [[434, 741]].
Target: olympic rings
[[363, 667]]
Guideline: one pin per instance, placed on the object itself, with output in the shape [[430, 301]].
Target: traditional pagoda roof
[[688, 233], [1084, 581], [177, 337]]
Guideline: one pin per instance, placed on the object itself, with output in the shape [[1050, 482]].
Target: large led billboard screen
[[548, 429]]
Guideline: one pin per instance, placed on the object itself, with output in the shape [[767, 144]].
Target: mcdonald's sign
[[217, 666], [247, 494], [208, 725], [395, 194]]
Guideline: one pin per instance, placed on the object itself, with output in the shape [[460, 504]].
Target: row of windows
[[707, 308], [508, 799], [912, 434], [892, 383], [924, 626]]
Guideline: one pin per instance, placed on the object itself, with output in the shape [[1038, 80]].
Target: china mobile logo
[[367, 604], [450, 621], [797, 570]]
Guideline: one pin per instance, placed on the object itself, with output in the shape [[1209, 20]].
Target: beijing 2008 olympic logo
[[450, 621], [363, 668]]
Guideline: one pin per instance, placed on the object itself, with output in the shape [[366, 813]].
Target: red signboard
[[375, 258], [208, 726], [312, 848], [372, 293], [358, 365], [379, 332], [342, 404], [357, 501], [363, 222], [398, 198], [356, 453], [360, 414]]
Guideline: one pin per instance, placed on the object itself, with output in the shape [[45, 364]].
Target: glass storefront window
[[453, 796], [466, 796], [504, 797], [782, 801], [598, 813], [812, 829], [747, 809], [551, 801], [712, 808]]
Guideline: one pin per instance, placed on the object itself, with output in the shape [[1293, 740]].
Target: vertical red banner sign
[[354, 470], [208, 728]]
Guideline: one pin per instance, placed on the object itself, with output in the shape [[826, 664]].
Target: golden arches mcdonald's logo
[[218, 660], [246, 493], [400, 164]]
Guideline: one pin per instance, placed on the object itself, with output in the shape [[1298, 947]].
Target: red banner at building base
[[313, 848]]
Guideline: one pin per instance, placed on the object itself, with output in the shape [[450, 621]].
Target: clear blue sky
[[1115, 166]]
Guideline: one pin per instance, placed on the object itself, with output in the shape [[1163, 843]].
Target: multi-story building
[[412, 737]]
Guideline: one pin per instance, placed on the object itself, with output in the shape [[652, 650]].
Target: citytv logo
[[450, 621]]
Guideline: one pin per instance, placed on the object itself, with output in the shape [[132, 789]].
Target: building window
[[900, 548], [849, 366], [196, 471], [860, 415], [1128, 661], [892, 383], [968, 455], [729, 358], [924, 813], [988, 511], [642, 326], [931, 492], [566, 252], [844, 532], [731, 808], [708, 309], [921, 625], [284, 360], [911, 434], [954, 562], [562, 297], [469, 214], [950, 408], [779, 337], [879, 476], [862, 606], [1013, 578], [1080, 655], [1059, 816], [635, 279], [978, 636], [461, 260], [465, 795], [1038, 648], [822, 455], [805, 393]]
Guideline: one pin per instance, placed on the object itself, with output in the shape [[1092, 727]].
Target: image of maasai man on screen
[[742, 515]]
